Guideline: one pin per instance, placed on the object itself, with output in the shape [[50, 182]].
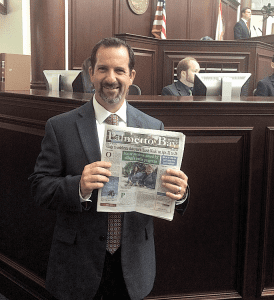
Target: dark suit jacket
[[265, 87], [79, 242], [176, 89], [241, 31]]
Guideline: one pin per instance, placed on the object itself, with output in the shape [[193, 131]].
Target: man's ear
[[132, 76], [183, 74], [272, 65]]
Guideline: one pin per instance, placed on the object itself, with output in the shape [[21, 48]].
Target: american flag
[[159, 24]]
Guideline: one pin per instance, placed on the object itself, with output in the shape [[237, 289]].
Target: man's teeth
[[110, 88]]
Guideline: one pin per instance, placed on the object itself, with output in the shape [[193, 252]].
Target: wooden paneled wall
[[90, 21], [223, 246], [229, 9], [47, 38]]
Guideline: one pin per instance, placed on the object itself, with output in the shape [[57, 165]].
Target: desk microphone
[[255, 30]]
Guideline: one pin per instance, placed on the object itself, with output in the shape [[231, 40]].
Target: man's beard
[[111, 100]]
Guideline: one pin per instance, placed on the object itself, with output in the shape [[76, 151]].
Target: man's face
[[188, 76], [247, 14], [111, 77]]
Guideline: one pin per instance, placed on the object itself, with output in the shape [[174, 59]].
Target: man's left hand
[[176, 182]]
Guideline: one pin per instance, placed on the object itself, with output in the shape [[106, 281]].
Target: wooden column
[[47, 38]]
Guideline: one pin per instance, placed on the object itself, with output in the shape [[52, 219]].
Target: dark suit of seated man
[[84, 262], [241, 31], [265, 87], [186, 70]]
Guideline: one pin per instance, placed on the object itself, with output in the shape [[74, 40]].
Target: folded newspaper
[[139, 158]]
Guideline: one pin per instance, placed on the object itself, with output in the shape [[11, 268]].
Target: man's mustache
[[114, 85]]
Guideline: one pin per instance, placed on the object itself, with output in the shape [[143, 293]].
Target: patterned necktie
[[114, 219]]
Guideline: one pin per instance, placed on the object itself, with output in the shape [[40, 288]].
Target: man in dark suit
[[186, 70], [265, 87], [84, 264], [241, 29]]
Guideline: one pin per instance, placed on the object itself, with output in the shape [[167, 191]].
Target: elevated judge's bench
[[156, 60]]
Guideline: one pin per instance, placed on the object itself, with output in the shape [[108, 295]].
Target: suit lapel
[[245, 27], [178, 87], [132, 118], [87, 128], [181, 88]]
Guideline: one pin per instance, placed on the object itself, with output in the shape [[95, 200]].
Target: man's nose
[[111, 76]]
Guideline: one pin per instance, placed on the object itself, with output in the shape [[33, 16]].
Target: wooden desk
[[222, 248]]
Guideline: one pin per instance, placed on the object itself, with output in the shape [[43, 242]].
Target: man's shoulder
[[141, 119], [240, 23], [170, 90], [268, 79], [237, 24], [72, 114]]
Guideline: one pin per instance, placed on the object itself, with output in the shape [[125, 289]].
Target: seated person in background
[[207, 38], [265, 87], [186, 70]]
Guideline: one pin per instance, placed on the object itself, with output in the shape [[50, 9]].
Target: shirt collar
[[101, 113], [244, 20]]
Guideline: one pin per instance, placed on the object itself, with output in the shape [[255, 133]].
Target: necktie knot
[[112, 119]]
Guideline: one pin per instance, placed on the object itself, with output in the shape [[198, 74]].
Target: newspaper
[[139, 158]]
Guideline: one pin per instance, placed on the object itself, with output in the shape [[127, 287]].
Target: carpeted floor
[[3, 297]]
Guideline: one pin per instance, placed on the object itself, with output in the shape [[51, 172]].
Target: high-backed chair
[[82, 83], [134, 90]]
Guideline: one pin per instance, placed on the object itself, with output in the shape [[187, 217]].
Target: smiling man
[[84, 262]]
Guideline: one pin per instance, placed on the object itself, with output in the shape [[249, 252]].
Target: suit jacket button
[[102, 238]]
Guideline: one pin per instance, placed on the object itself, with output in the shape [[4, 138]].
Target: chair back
[[134, 90]]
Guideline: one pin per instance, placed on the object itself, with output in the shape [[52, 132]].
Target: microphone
[[255, 30]]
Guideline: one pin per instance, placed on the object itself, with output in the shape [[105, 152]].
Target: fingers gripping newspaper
[[139, 158]]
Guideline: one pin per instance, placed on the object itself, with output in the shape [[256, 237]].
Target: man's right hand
[[94, 176]]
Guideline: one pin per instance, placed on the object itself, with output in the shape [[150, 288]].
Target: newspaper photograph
[[139, 158]]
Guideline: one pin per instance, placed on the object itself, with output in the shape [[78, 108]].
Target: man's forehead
[[102, 51], [193, 64]]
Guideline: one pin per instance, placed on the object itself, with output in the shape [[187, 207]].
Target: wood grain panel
[[203, 19], [144, 66], [229, 17], [265, 276], [209, 232], [178, 17], [90, 22], [137, 24], [47, 38]]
